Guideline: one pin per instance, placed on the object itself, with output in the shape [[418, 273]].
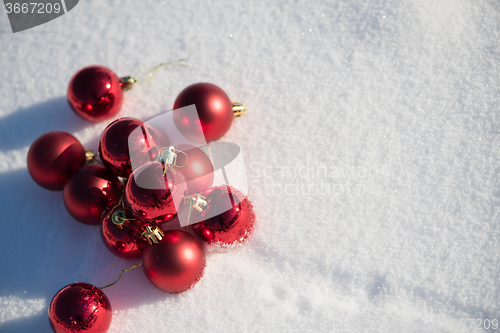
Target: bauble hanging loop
[[90, 157], [127, 82], [119, 219], [238, 109], [168, 156], [198, 202], [152, 234]]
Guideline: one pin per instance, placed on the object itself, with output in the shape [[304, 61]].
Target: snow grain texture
[[371, 146]]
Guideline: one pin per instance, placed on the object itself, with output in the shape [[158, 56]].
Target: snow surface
[[371, 144]]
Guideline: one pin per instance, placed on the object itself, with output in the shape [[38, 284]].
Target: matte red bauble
[[176, 263], [152, 193], [95, 93], [197, 169], [53, 158], [126, 143], [229, 215], [89, 191], [124, 242], [215, 112], [80, 307]]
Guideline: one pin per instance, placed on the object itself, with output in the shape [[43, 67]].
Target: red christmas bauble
[[89, 191], [126, 143], [204, 231], [163, 140], [80, 307], [197, 170], [53, 158], [229, 215], [125, 242], [95, 93], [215, 112], [152, 193], [176, 263]]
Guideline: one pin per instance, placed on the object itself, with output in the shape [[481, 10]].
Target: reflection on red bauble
[[151, 194], [197, 170], [163, 140], [215, 112], [229, 215], [53, 158], [125, 242], [176, 263], [80, 307], [126, 143], [204, 231], [95, 93], [89, 191]]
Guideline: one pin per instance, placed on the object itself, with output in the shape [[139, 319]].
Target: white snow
[[371, 145]]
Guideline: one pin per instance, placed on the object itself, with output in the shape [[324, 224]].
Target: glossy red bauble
[[89, 192], [126, 143], [152, 193], [176, 263], [125, 242], [229, 215], [95, 93], [197, 168], [80, 308], [204, 231], [53, 158], [215, 112]]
